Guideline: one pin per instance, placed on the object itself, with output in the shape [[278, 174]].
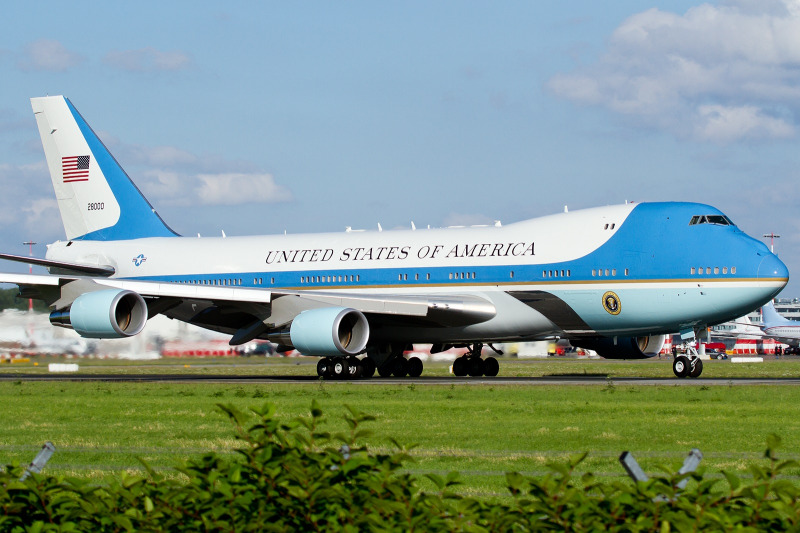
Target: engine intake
[[330, 331], [106, 314], [624, 348]]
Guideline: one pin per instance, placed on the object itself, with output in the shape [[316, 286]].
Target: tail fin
[[97, 199], [771, 318]]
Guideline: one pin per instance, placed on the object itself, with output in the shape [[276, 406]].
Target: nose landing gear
[[689, 365]]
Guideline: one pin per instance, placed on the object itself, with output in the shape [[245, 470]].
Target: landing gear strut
[[473, 365]]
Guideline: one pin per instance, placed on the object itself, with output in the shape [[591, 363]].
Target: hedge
[[292, 476]]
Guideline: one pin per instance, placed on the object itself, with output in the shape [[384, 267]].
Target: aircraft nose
[[772, 267]]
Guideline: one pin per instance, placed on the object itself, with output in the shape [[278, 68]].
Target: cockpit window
[[719, 220]]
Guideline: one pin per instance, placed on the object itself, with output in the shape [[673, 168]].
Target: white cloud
[[172, 176], [731, 71], [725, 124], [148, 60], [233, 189], [28, 208], [49, 55]]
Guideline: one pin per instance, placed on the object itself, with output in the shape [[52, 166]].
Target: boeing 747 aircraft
[[615, 279]]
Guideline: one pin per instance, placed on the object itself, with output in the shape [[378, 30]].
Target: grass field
[[481, 431]]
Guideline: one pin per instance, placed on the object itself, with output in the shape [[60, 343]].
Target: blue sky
[[265, 117]]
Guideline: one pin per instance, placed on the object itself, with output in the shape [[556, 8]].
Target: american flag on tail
[[75, 168]]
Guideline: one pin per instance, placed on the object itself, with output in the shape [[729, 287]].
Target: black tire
[[400, 369], [681, 366], [385, 370], [490, 367], [476, 367], [460, 367], [697, 370], [340, 368], [415, 367], [367, 367], [323, 367]]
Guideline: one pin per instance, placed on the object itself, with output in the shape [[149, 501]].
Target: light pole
[[30, 271], [772, 238]]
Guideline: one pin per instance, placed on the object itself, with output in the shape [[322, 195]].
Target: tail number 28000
[[98, 206]]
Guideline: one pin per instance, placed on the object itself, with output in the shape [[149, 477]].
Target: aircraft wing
[[258, 310]]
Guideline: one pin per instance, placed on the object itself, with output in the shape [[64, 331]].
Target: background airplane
[[779, 328], [614, 279]]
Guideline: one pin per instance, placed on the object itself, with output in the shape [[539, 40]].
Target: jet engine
[[622, 347], [106, 314], [329, 331]]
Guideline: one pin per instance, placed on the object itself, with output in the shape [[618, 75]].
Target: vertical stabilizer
[[96, 198], [771, 318]]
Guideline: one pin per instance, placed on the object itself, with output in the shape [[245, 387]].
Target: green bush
[[290, 476]]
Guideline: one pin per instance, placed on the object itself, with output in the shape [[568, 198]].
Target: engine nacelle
[[624, 348], [106, 314], [330, 331]]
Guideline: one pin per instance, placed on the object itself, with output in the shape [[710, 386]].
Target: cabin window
[[693, 271], [716, 270], [512, 274], [594, 272], [427, 276], [724, 270], [733, 270], [613, 271]]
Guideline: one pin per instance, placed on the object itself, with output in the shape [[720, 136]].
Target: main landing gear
[[471, 363], [355, 368], [345, 367], [689, 365]]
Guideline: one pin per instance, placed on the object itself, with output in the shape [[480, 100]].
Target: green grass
[[479, 430]]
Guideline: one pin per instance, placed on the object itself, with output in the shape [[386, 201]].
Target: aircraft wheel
[[354, 369], [385, 370], [460, 367], [681, 366], [367, 367], [697, 370], [323, 367], [415, 367], [491, 367], [400, 369], [340, 367], [476, 367]]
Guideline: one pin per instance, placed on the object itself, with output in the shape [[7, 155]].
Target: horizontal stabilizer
[[62, 266]]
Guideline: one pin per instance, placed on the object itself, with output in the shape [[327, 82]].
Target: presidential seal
[[611, 303]]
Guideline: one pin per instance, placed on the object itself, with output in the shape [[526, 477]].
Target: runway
[[565, 379]]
